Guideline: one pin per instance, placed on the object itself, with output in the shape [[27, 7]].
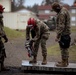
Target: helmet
[[31, 22], [1, 8], [56, 5]]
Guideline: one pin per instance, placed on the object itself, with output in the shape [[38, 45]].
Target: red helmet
[[31, 22], [1, 8]]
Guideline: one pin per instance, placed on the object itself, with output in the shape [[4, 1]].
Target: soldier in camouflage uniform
[[41, 35], [2, 35], [63, 32]]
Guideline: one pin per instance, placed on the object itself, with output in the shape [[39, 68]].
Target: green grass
[[55, 51], [16, 34], [12, 34], [73, 29], [72, 53]]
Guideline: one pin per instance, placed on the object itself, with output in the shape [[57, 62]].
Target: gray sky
[[32, 2], [70, 2]]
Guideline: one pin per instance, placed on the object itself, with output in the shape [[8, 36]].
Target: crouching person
[[42, 33]]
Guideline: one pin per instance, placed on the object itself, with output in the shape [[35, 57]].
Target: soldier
[[41, 35], [63, 32], [2, 35]]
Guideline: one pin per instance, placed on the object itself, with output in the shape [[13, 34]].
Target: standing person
[[63, 32], [2, 35], [41, 35]]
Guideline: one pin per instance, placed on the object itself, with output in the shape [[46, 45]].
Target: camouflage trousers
[[42, 40], [64, 53], [2, 51]]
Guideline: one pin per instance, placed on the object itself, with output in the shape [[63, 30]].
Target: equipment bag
[[65, 41]]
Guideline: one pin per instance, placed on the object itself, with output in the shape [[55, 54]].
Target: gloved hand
[[5, 38], [26, 42], [33, 40]]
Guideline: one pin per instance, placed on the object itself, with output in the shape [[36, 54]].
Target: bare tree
[[35, 8], [47, 2], [17, 4], [74, 1]]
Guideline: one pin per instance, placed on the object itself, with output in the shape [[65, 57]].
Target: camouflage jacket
[[2, 33], [40, 29], [63, 22]]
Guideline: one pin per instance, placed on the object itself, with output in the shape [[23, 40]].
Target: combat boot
[[44, 62], [63, 63], [34, 60], [59, 62]]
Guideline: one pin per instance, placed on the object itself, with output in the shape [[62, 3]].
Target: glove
[[26, 42], [5, 38], [33, 40]]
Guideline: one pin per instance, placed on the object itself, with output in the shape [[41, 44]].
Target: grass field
[[73, 29], [15, 34], [12, 34]]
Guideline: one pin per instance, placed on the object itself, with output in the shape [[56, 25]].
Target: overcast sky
[[70, 2], [32, 2]]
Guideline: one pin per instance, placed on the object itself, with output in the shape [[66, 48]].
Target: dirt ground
[[16, 52]]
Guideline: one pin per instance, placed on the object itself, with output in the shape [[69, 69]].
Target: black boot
[[3, 68]]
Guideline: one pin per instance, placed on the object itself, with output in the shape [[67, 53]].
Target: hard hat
[[31, 22], [1, 8]]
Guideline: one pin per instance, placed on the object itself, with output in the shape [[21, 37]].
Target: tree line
[[19, 4]]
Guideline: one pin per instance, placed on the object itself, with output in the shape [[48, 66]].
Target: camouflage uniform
[[41, 35], [63, 30], [2, 49], [2, 33]]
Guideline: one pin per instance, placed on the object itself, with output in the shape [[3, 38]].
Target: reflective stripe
[[29, 25]]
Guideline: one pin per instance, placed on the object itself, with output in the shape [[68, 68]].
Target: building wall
[[10, 20], [73, 16], [6, 4], [16, 20], [46, 12]]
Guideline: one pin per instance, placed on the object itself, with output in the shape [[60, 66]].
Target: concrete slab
[[50, 66]]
